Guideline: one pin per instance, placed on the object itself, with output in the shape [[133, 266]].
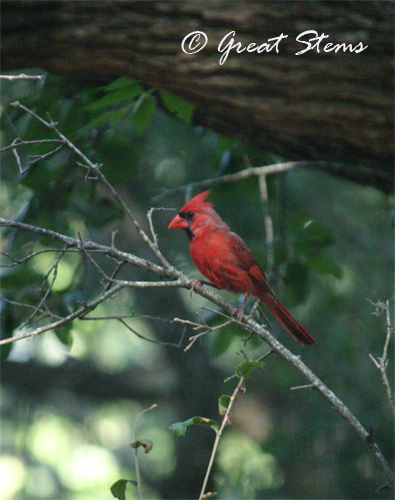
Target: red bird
[[224, 258]]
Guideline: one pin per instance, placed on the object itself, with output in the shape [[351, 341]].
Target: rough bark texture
[[330, 106]]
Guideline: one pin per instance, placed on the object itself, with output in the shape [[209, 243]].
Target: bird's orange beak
[[178, 223]]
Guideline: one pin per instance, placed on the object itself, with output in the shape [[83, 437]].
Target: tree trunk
[[336, 107]]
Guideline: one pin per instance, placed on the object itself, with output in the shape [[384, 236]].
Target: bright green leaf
[[118, 489], [182, 109], [180, 428], [120, 83], [144, 110], [117, 97], [223, 403], [246, 368], [112, 117]]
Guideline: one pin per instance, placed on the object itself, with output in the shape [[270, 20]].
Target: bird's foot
[[238, 312], [196, 286]]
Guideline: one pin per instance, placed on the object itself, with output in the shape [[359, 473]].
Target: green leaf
[[181, 108], [246, 368], [180, 428], [117, 97], [120, 83], [223, 403], [112, 117], [118, 489], [144, 110], [147, 444]]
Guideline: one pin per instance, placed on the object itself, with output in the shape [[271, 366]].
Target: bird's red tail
[[287, 321]]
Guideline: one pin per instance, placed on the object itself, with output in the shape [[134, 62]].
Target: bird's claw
[[238, 312], [196, 286]]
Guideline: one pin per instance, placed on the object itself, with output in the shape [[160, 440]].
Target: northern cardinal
[[224, 258]]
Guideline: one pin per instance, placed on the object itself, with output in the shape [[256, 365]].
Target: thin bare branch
[[18, 142], [22, 76], [381, 363], [299, 387], [151, 225], [267, 219], [198, 326], [138, 477], [54, 268], [241, 175], [121, 318], [29, 306], [91, 246], [39, 158], [225, 421], [67, 319]]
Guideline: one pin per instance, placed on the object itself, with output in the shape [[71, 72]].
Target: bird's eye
[[188, 216]]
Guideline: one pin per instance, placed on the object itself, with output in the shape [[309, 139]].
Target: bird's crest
[[197, 203]]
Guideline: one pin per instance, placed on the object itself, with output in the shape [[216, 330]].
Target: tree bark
[[336, 107]]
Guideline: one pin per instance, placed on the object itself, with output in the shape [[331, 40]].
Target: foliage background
[[70, 397]]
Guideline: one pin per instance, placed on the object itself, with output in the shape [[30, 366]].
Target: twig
[[22, 76], [298, 387], [20, 142], [54, 268], [381, 363], [224, 422], [269, 233], [17, 262], [56, 324], [121, 318], [267, 219], [29, 306], [159, 342], [136, 461], [151, 225], [39, 158]]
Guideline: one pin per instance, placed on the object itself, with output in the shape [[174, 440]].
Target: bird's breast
[[214, 257]]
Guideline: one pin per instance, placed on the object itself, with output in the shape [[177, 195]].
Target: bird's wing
[[248, 262]]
